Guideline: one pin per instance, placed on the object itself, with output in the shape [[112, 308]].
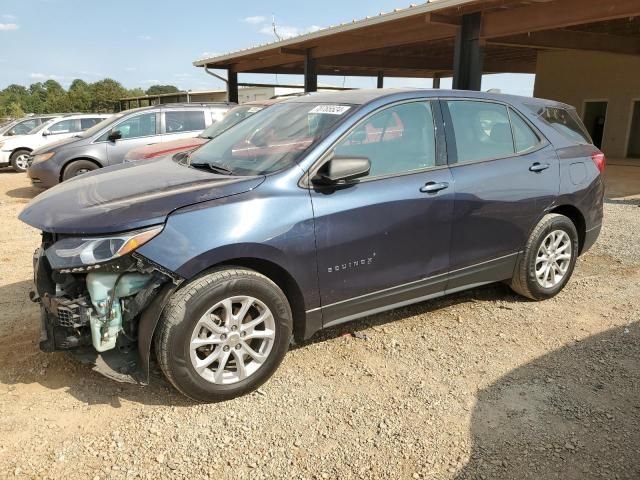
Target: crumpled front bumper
[[60, 315]]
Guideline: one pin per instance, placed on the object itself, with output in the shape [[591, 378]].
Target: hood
[[60, 143], [128, 196], [165, 148]]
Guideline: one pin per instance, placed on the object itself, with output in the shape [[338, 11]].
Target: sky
[[146, 42]]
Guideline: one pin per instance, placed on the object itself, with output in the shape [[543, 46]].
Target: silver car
[[109, 141]]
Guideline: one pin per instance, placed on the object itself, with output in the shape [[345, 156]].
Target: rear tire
[[548, 260], [18, 160], [224, 334], [78, 167]]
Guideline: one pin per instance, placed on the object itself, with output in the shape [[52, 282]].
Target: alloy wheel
[[553, 259], [22, 161], [232, 340]]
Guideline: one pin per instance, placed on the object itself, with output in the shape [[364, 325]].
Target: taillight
[[600, 160]]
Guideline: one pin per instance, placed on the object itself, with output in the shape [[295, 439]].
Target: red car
[[232, 117]]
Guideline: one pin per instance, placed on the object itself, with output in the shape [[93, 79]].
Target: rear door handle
[[539, 167], [433, 187]]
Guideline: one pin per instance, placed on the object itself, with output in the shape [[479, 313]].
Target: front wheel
[[224, 334], [78, 167], [20, 160], [548, 260]]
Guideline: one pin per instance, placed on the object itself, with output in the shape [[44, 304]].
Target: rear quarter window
[[564, 121]]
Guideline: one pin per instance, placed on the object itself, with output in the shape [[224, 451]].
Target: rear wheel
[[548, 260], [20, 160], [78, 167], [224, 334]]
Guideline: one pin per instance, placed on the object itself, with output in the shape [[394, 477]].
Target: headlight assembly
[[84, 251], [41, 157]]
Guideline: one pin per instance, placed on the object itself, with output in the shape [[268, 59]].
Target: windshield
[[270, 140], [229, 119]]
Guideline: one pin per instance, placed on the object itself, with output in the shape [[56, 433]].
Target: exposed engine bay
[[95, 310]]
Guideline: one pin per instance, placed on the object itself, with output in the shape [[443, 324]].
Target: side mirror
[[341, 169], [114, 135], [46, 133]]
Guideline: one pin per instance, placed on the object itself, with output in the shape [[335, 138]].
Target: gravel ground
[[482, 384]]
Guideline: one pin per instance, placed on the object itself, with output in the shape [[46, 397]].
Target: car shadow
[[571, 414], [24, 192]]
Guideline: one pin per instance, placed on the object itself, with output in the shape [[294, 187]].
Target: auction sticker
[[330, 109]]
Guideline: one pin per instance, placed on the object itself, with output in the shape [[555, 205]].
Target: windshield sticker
[[254, 109], [330, 109]]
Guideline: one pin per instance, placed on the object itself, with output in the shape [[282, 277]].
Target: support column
[[232, 85], [310, 73], [380, 79], [436, 80], [468, 56]]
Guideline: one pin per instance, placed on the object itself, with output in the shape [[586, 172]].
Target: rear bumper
[[590, 238]]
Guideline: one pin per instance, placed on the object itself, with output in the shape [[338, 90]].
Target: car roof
[[179, 105], [81, 115], [364, 96]]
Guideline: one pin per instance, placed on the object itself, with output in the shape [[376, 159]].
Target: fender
[[147, 326]]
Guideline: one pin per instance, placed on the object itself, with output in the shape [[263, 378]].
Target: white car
[[23, 126], [15, 151]]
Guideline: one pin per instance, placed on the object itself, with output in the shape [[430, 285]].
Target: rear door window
[[524, 137], [481, 131], [184, 121]]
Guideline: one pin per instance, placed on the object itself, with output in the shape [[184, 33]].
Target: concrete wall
[[574, 76]]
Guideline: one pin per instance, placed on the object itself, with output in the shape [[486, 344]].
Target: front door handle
[[433, 187], [539, 167]]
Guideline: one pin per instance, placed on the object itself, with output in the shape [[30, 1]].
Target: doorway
[[633, 149], [595, 117]]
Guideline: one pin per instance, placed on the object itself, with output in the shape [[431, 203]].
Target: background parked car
[[23, 126], [108, 142], [231, 117], [16, 151]]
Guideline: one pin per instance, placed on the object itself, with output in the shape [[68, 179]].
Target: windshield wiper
[[214, 168]]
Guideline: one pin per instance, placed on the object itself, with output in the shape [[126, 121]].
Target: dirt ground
[[479, 385]]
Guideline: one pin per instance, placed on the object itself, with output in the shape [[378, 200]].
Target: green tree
[[80, 96], [57, 100], [104, 95], [14, 110], [160, 89]]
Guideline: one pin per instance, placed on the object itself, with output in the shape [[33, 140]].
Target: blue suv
[[319, 210]]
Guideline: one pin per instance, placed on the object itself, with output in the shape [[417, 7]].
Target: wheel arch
[[27, 149], [69, 162], [278, 275], [576, 216]]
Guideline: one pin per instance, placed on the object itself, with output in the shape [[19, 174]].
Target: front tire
[[224, 334], [20, 160], [78, 167], [548, 260]]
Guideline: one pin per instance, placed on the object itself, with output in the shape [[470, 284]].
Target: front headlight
[[84, 251], [41, 157]]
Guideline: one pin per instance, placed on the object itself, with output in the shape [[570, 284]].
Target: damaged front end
[[101, 301]]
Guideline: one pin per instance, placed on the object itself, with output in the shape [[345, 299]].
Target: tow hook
[[34, 297]]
